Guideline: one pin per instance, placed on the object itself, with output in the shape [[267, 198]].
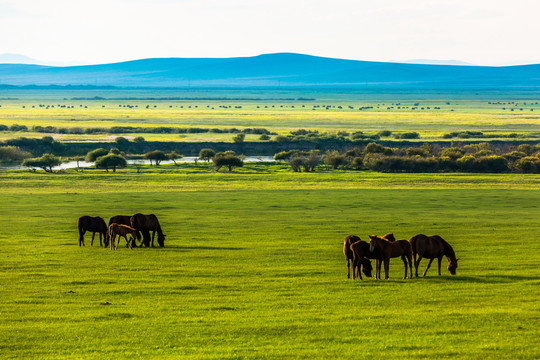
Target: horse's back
[[428, 246], [347, 242]]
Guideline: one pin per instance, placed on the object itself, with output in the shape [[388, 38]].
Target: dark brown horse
[[119, 219], [391, 249], [121, 231], [93, 224], [145, 224], [433, 247], [361, 256], [359, 261], [349, 254]]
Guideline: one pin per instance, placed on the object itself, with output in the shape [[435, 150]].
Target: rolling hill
[[271, 70]]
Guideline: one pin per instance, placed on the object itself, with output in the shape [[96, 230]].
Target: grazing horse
[[93, 224], [361, 256], [357, 262], [431, 247], [349, 255], [121, 231], [145, 224], [389, 249], [118, 219]]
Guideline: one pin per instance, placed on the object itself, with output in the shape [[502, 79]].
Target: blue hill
[[282, 69]]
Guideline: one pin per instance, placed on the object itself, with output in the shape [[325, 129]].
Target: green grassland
[[253, 266], [277, 110]]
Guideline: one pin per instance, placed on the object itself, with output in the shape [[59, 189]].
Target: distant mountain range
[[273, 70]]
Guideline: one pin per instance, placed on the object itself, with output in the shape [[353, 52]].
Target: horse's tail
[[412, 241], [81, 232]]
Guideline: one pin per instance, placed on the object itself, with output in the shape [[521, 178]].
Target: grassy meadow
[[253, 266]]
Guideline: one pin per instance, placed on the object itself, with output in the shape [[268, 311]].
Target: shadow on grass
[[189, 248], [483, 279]]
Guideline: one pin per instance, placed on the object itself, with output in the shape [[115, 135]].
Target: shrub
[[374, 148], [239, 138], [228, 159], [157, 155], [384, 133], [527, 164], [173, 155], [466, 163], [526, 148], [492, 164], [13, 153], [334, 159], [407, 135], [357, 163], [453, 153], [514, 155], [110, 161], [139, 139], [91, 156], [206, 154], [264, 137], [46, 162]]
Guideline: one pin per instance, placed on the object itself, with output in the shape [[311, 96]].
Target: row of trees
[[524, 158]]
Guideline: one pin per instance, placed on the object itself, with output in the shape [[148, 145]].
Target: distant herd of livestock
[[122, 226], [382, 248]]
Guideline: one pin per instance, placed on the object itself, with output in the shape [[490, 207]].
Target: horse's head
[[161, 240], [366, 267], [452, 266], [372, 242]]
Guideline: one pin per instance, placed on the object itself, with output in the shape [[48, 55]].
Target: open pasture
[[430, 114], [253, 266]]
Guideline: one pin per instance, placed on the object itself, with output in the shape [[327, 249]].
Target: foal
[[121, 231]]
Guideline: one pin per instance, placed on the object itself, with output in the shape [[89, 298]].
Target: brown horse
[[121, 231], [119, 219], [349, 254], [389, 249], [357, 262], [145, 224], [93, 224], [431, 247], [361, 256]]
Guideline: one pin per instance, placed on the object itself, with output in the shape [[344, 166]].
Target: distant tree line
[[483, 157]]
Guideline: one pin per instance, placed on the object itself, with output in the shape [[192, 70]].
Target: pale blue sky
[[477, 31]]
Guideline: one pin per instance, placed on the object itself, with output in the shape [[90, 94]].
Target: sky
[[481, 32]]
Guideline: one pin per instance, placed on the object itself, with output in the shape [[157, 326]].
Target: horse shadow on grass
[[486, 279], [177, 248]]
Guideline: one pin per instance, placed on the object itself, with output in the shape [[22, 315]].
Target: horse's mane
[[447, 247]]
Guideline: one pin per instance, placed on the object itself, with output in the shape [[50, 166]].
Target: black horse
[[93, 224], [145, 224]]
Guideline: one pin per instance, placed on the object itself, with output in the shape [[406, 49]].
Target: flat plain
[[252, 266]]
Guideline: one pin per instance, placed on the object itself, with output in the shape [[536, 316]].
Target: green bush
[[110, 161], [13, 153], [92, 156]]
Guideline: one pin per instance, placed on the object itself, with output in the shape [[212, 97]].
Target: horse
[[119, 219], [145, 224], [390, 249], [349, 255], [361, 256], [121, 231], [357, 262], [431, 247], [93, 224]]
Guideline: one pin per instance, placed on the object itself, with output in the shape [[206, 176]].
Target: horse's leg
[[358, 268], [428, 265], [81, 237], [153, 236], [404, 259], [439, 259], [349, 269], [386, 268], [409, 257], [92, 242], [379, 266]]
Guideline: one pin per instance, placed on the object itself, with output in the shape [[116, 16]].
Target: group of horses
[[383, 248], [122, 226]]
